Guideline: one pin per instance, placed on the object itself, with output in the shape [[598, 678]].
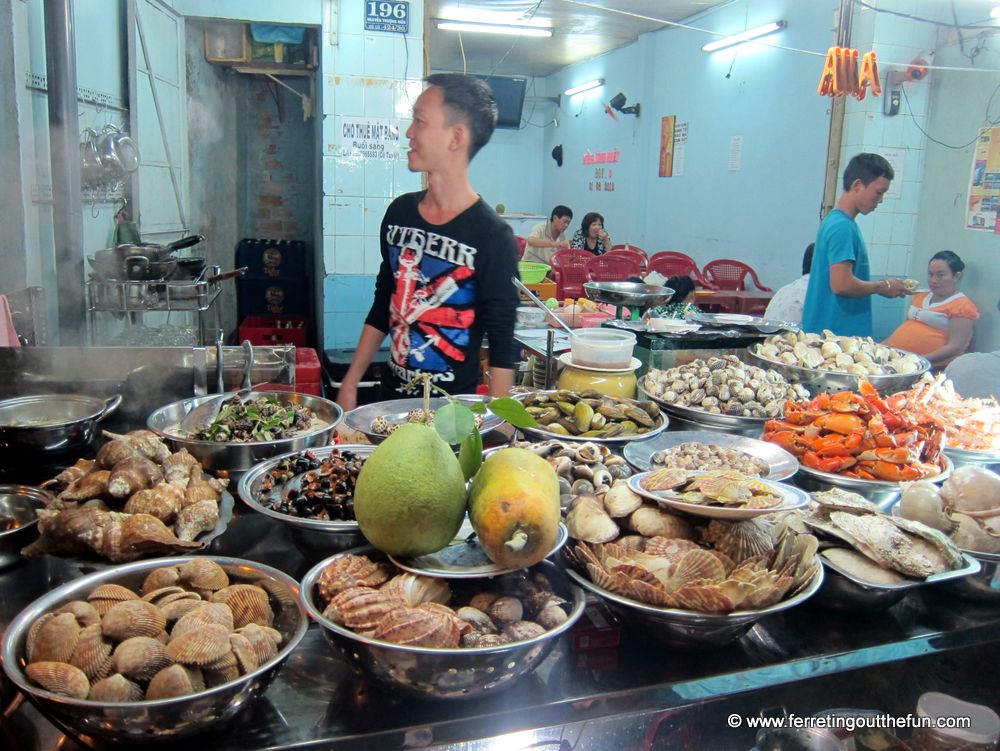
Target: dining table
[[748, 302]]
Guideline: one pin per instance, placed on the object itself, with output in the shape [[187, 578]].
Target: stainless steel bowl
[[314, 537], [541, 434], [229, 457], [965, 457], [688, 628], [818, 381], [52, 424], [133, 723], [444, 673], [983, 586], [18, 504], [780, 464], [396, 410], [627, 293], [688, 418], [881, 493]]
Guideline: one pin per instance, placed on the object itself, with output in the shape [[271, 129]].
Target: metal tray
[[396, 410], [709, 419], [983, 586], [881, 492], [962, 457], [794, 498], [831, 381], [544, 435], [781, 464], [758, 323]]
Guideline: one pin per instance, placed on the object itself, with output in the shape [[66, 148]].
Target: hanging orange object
[[828, 78], [869, 77], [840, 74]]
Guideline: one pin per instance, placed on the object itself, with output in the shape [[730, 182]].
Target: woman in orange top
[[939, 322]]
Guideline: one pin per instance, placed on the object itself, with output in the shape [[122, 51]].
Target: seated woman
[[680, 303], [591, 236], [939, 322]]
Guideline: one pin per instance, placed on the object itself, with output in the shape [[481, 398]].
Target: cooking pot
[[136, 268], [152, 251], [48, 424], [189, 269]]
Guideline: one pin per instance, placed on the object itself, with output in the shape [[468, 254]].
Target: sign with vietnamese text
[[370, 137], [601, 157], [385, 15]]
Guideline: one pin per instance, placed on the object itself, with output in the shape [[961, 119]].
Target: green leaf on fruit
[[513, 412], [455, 422], [470, 454]]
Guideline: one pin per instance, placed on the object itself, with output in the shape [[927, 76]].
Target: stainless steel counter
[[612, 699]]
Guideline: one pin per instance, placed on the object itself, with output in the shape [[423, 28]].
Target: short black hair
[[681, 285], [951, 258], [589, 218], [470, 100], [807, 258], [560, 211], [867, 168]]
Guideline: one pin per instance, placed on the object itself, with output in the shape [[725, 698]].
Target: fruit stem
[[517, 541]]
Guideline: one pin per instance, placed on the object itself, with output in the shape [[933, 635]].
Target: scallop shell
[[620, 501], [362, 609], [132, 618], [263, 640], [650, 521], [693, 566], [204, 612], [422, 626], [246, 656], [93, 653], [249, 604], [160, 577], [195, 518], [176, 680], [85, 613], [140, 658], [739, 540], [56, 639], [415, 589], [203, 574], [114, 689], [671, 549], [200, 646], [59, 678], [652, 594], [351, 571], [106, 596]]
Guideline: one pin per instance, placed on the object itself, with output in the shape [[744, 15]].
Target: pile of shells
[[377, 600], [581, 467], [187, 629], [590, 414], [723, 385], [838, 354], [325, 489], [383, 426], [697, 455]]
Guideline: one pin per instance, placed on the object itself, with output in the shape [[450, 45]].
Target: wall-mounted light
[[584, 87], [995, 11], [512, 29], [618, 103], [746, 36]]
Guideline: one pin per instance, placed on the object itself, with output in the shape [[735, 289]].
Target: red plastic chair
[[726, 273], [569, 269], [628, 246], [669, 263], [521, 245], [632, 254], [673, 255], [612, 267]]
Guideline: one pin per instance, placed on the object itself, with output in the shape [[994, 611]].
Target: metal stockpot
[[48, 425]]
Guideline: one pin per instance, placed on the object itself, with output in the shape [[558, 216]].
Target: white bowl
[[602, 348], [530, 315]]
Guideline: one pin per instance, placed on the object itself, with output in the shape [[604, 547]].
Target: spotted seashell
[[415, 589], [422, 626], [176, 680], [56, 639], [202, 574], [132, 618], [201, 646], [351, 571], [204, 612], [140, 658], [158, 578], [362, 609], [93, 653], [59, 678], [86, 614], [249, 604], [106, 596], [115, 688], [243, 651], [264, 641]]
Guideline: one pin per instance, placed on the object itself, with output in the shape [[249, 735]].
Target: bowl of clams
[[157, 649], [440, 638]]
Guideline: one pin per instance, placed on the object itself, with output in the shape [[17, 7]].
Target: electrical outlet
[[892, 96]]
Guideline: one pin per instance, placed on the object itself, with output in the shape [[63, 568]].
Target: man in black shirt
[[447, 258]]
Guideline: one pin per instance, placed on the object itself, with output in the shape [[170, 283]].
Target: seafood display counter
[[635, 694]]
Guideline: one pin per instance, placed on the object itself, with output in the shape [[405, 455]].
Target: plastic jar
[[981, 735], [602, 348], [613, 383]]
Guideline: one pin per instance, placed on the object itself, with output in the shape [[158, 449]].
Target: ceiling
[[582, 30]]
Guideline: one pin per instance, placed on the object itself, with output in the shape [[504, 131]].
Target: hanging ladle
[[534, 299]]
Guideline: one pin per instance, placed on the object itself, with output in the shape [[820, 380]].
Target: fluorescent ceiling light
[[995, 12], [494, 28], [584, 87], [746, 36]]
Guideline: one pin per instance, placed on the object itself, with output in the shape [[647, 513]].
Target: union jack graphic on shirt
[[432, 304]]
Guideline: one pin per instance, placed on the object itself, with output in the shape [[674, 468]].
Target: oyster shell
[[739, 539]]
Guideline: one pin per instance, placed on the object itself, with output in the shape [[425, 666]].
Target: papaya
[[514, 507]]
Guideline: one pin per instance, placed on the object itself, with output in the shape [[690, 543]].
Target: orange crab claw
[[835, 444], [827, 463], [899, 455], [883, 470], [789, 440], [840, 422]]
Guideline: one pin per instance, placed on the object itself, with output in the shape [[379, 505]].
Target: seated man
[[546, 238], [786, 305], [976, 374]]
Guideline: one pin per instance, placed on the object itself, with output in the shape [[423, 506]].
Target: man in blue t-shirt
[[839, 293]]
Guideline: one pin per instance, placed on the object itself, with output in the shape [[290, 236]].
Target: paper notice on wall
[[983, 208], [896, 158], [680, 147], [735, 153], [370, 137]]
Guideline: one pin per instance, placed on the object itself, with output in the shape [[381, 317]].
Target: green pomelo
[[410, 494]]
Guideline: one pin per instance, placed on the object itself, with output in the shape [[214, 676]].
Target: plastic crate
[[272, 259], [272, 297], [273, 330], [307, 366]]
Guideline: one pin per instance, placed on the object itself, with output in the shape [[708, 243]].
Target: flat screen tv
[[509, 93]]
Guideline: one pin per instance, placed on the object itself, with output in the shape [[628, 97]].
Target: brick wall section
[[280, 173]]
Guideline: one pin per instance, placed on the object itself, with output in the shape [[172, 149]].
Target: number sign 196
[[383, 15]]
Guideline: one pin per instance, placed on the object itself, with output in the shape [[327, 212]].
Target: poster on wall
[[680, 148], [603, 177], [896, 158], [370, 137], [984, 183], [667, 145]]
